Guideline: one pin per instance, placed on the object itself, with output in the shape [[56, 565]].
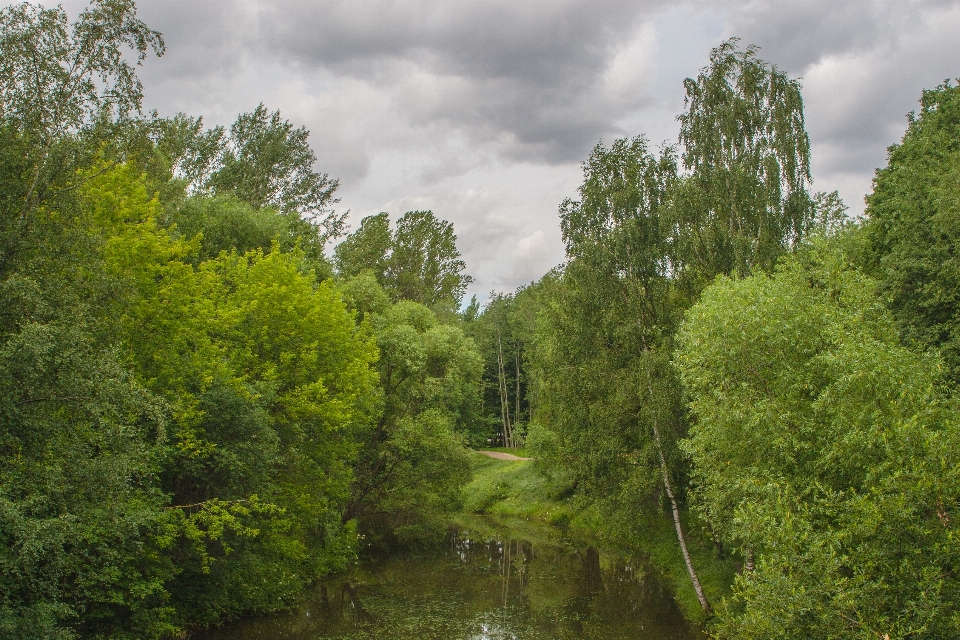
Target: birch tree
[[646, 234]]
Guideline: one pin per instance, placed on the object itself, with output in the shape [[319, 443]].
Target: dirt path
[[502, 456]]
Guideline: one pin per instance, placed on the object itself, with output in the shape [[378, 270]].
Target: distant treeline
[[201, 411]]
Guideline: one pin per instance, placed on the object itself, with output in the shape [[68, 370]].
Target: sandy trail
[[502, 456]]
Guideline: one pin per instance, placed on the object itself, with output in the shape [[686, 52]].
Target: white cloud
[[531, 258]]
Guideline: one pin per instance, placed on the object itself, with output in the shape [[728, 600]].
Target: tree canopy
[[418, 260], [913, 231]]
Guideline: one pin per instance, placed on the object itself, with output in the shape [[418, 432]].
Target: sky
[[482, 111]]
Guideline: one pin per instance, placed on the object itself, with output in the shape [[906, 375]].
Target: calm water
[[486, 583]]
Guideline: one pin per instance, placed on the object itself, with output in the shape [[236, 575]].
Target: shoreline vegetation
[[515, 492], [204, 410]]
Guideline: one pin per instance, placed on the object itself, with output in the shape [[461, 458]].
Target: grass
[[514, 490]]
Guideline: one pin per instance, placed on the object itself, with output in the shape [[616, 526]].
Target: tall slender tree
[[647, 233]]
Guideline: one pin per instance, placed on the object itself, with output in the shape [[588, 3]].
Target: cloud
[[482, 109], [797, 35], [531, 258], [861, 77], [532, 81]]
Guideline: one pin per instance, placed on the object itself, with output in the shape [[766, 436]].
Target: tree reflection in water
[[485, 583]]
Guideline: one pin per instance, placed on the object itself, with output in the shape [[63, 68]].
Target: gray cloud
[[863, 64], [529, 81], [481, 110], [798, 34], [541, 42]]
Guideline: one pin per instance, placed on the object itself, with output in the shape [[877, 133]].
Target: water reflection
[[485, 584]]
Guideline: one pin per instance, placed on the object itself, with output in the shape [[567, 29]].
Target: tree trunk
[[516, 413], [676, 521], [504, 394]]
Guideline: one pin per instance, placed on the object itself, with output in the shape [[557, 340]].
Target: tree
[[506, 334], [824, 447], [412, 461], [425, 265], [744, 143], [226, 223], [643, 239], [913, 231], [62, 83], [417, 261], [263, 161], [268, 162], [81, 521], [367, 248]]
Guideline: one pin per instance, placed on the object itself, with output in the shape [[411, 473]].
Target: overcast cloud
[[482, 111]]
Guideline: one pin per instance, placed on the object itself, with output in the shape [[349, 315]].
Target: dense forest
[[204, 408]]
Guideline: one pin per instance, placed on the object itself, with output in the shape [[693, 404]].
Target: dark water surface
[[486, 583]]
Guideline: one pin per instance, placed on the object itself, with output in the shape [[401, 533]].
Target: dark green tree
[[367, 248], [425, 265], [413, 461], [82, 524], [262, 160], [268, 162], [417, 261], [914, 227], [643, 239]]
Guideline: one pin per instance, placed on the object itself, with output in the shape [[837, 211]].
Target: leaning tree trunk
[[676, 521]]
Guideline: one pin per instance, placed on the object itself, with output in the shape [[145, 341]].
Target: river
[[488, 581]]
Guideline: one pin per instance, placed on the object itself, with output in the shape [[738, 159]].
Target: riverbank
[[515, 490]]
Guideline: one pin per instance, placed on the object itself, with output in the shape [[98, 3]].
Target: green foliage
[[643, 240], [366, 249], [185, 398], [412, 462], [268, 162], [417, 261], [80, 517], [744, 142], [225, 223], [263, 161], [60, 83], [425, 265], [822, 446], [266, 378], [913, 230]]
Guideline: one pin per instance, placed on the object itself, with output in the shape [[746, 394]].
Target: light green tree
[[824, 447]]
